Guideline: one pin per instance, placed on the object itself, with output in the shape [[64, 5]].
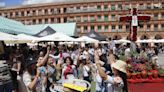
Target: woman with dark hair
[[32, 78], [69, 70]]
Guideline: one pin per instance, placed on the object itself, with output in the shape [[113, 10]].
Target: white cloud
[[2, 4], [41, 1]]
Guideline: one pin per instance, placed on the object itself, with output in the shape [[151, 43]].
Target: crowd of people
[[40, 67]]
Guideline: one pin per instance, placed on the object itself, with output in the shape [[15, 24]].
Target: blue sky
[[12, 2], [25, 2]]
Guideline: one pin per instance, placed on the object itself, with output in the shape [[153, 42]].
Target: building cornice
[[74, 3]]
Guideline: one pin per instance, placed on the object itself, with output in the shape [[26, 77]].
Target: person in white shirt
[[115, 83], [127, 51]]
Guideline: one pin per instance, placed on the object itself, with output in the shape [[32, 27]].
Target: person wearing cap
[[115, 83], [34, 76]]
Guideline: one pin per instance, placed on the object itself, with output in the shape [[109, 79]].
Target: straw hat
[[120, 65]]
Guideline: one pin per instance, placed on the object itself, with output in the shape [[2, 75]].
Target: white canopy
[[122, 41], [147, 41], [7, 37], [85, 39], [159, 41], [26, 37], [56, 37]]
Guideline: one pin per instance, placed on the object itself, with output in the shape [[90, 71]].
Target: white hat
[[120, 65]]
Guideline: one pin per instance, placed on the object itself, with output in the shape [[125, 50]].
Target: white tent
[[147, 41], [56, 37], [159, 41], [122, 41], [7, 37], [85, 39], [26, 37]]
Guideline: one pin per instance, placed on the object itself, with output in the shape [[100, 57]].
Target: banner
[[134, 21]]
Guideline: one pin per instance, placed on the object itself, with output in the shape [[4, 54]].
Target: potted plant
[[129, 69], [150, 75], [161, 72]]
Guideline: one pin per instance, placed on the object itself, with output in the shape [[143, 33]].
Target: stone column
[[96, 29], [82, 29], [13, 14], [152, 27], [49, 20], [102, 28], [82, 19], [43, 21], [62, 20], [49, 11], [43, 12], [89, 28], [89, 19], [110, 28], [37, 12], [61, 10], [37, 21], [102, 17], [102, 7], [159, 27]]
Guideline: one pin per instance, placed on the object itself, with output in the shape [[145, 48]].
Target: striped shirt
[[5, 76]]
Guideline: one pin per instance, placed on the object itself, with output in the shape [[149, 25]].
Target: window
[[78, 8], [105, 7], [162, 26], [155, 27], [58, 20], [141, 6], [119, 6], [64, 10], [78, 28], [162, 15], [106, 28], [40, 21], [33, 21], [113, 7], [127, 28], [85, 18], [156, 6], [58, 10], [105, 17], [126, 7], [78, 19], [52, 20], [46, 20], [92, 27], [156, 16], [148, 27], [99, 28], [113, 17], [11, 14], [92, 18], [85, 28], [113, 27], [99, 17], [65, 19], [149, 6], [120, 27], [141, 26], [162, 4], [99, 7], [22, 13], [16, 14]]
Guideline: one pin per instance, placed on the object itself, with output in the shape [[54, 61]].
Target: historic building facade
[[99, 15]]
